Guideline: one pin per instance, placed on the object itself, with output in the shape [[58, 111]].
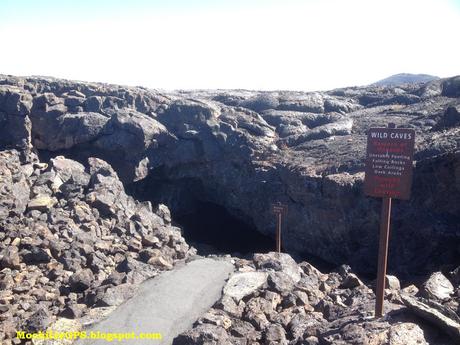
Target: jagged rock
[[35, 255], [38, 321], [229, 305], [244, 284], [216, 317], [61, 326], [278, 262], [432, 315], [93, 104], [160, 262], [81, 280], [244, 329], [311, 341], [115, 278], [257, 319], [67, 169], [116, 295], [437, 287], [74, 311], [41, 203], [410, 290], [273, 297], [351, 281], [280, 282], [10, 258], [392, 283], [405, 334], [275, 334], [164, 213], [202, 335]]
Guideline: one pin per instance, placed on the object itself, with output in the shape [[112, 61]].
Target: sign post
[[279, 209], [388, 175]]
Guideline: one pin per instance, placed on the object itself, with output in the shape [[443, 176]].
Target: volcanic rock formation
[[243, 150], [73, 241]]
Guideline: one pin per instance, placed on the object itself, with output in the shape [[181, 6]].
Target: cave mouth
[[211, 229], [206, 225]]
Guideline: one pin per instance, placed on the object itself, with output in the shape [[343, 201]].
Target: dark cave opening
[[210, 227]]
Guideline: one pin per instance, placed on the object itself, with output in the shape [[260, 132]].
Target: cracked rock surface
[[73, 243]]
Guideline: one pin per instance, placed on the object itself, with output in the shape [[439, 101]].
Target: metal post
[[383, 255], [278, 234]]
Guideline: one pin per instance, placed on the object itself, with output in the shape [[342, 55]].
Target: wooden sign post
[[388, 175], [279, 209]]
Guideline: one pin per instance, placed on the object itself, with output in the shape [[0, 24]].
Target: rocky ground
[[272, 300], [72, 240]]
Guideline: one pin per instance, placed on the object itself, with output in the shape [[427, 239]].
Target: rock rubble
[[71, 240], [282, 302]]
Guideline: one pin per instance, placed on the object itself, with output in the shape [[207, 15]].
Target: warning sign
[[279, 208], [389, 159]]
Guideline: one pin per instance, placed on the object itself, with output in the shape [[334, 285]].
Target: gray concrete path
[[168, 304]]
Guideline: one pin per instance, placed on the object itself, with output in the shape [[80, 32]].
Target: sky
[[230, 44]]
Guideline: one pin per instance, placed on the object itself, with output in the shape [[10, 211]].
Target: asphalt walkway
[[168, 304]]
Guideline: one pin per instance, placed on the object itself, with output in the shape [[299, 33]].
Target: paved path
[[168, 304]]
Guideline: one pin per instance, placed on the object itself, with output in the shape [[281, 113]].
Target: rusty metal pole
[[278, 234], [383, 255]]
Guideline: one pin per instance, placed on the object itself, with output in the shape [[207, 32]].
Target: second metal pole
[[278, 234]]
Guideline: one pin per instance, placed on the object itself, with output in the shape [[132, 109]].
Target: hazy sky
[[251, 44]]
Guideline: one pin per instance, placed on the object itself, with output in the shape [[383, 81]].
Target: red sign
[[390, 153]]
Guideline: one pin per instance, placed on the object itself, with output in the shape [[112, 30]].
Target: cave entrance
[[208, 226], [211, 228]]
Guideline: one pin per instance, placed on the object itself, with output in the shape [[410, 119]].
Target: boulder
[[74, 311], [81, 280], [244, 284], [280, 282], [36, 255], [38, 321], [116, 295], [93, 104], [74, 129], [351, 281], [203, 334], [275, 334], [228, 305], [41, 203], [406, 334], [434, 316], [274, 261], [10, 258], [437, 287], [392, 283]]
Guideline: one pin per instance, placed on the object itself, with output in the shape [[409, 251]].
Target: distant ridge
[[405, 78]]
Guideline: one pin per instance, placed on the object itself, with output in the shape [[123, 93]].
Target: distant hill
[[405, 78]]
